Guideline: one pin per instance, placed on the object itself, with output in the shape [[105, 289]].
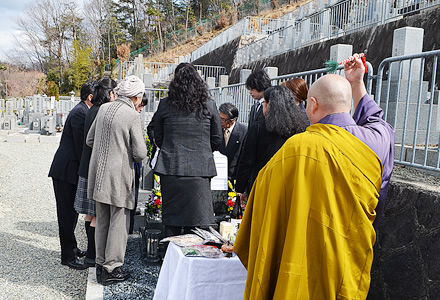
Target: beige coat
[[118, 141]]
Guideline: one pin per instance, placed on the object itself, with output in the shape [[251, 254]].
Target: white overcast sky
[[10, 10]]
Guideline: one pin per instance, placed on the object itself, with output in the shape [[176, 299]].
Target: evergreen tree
[[81, 64]]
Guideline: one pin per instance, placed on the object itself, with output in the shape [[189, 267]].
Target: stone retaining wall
[[407, 251]]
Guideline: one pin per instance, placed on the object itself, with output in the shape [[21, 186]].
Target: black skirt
[[186, 201]]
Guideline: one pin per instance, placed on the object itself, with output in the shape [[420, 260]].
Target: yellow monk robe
[[307, 230]]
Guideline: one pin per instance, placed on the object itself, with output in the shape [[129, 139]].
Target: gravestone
[[219, 184], [223, 81], [9, 108], [2, 107], [20, 103], [244, 74], [27, 103], [272, 72], [148, 80], [35, 122], [38, 106], [13, 101], [48, 125], [10, 117], [25, 118], [405, 85], [339, 52], [210, 81]]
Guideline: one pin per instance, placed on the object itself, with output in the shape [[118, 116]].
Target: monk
[[307, 232]]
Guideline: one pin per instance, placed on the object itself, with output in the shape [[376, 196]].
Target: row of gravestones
[[38, 114]]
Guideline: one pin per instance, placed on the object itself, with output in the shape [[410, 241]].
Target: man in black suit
[[257, 83], [234, 133], [64, 173]]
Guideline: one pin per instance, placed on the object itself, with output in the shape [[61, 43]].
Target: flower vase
[[152, 218], [155, 217]]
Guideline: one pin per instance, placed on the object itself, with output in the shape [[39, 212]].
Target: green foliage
[[3, 68], [52, 89], [81, 64], [53, 75], [112, 66], [101, 68]]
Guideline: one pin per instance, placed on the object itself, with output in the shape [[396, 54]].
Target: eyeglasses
[[223, 120]]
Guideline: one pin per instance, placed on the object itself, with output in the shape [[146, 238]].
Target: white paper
[[220, 182], [154, 160]]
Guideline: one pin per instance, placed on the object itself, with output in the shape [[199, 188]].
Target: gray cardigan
[[118, 141], [186, 143]]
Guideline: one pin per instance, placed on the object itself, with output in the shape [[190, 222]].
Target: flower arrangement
[[232, 197], [154, 203]]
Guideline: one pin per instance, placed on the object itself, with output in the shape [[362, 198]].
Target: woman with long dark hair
[[282, 119], [187, 130], [83, 205]]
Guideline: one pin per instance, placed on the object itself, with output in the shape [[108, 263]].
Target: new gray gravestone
[[2, 107], [405, 84]]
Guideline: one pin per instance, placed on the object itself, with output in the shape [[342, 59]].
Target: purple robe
[[368, 125]]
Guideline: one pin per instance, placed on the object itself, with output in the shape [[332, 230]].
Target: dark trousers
[[133, 211], [67, 218]]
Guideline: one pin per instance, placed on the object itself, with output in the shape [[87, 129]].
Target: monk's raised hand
[[354, 70]]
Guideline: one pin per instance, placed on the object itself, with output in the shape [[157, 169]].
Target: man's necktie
[[257, 107], [226, 134]]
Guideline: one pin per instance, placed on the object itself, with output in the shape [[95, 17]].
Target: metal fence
[[154, 96], [407, 90], [406, 87], [238, 95], [162, 73], [328, 22], [246, 26]]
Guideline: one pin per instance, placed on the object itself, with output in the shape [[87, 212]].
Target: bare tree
[[49, 26]]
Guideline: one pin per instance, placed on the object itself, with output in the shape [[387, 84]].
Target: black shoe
[[98, 273], [89, 262], [74, 264], [79, 252], [114, 277]]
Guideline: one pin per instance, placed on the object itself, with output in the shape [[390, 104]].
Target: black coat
[[87, 151], [186, 142], [255, 115], [65, 163], [259, 147], [233, 149]]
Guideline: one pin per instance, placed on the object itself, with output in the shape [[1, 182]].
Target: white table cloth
[[188, 278]]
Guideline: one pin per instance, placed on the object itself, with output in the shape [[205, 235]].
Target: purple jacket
[[368, 125]]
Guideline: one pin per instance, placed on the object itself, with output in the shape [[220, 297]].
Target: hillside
[[194, 43]]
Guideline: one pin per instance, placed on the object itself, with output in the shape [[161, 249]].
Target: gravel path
[[29, 246]]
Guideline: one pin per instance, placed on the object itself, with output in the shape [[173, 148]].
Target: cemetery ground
[[30, 265], [30, 252]]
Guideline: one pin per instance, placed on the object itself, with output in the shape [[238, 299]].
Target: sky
[[10, 10]]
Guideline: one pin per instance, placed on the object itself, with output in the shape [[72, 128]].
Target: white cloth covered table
[[194, 278]]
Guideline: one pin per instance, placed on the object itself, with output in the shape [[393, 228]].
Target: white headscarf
[[130, 86]]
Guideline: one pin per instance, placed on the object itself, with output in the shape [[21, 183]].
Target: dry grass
[[191, 45]]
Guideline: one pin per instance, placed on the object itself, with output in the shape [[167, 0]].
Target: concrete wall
[[223, 56], [407, 251]]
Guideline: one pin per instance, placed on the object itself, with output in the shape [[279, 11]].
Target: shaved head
[[332, 94]]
